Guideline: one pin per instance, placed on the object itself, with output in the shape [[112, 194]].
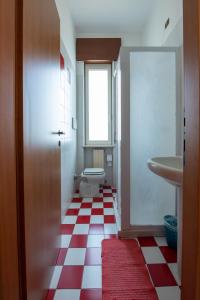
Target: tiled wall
[[68, 147], [68, 142]]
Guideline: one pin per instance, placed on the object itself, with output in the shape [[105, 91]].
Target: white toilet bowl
[[91, 178]]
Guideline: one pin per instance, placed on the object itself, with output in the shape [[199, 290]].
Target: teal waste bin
[[170, 223]]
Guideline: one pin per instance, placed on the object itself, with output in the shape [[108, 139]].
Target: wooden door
[[41, 152], [9, 266], [191, 186]]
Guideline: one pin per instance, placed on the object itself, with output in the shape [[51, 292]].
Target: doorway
[[191, 214]]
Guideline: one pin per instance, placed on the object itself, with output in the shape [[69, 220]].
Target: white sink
[[169, 167]]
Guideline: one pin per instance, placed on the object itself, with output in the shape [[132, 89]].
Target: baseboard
[[136, 231]]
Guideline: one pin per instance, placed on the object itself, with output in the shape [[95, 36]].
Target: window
[[98, 104]]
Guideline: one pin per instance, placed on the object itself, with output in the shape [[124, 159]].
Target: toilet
[[91, 178]]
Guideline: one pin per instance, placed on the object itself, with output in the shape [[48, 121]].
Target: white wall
[[117, 149], [130, 40], [68, 146], [155, 33], [67, 29]]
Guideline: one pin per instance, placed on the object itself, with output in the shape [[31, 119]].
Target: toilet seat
[[91, 180], [93, 171]]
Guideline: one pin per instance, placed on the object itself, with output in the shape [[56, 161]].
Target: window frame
[[89, 67]]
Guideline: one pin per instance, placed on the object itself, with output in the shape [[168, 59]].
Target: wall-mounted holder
[[74, 123], [109, 160]]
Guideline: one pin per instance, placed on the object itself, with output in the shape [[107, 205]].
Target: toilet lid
[[93, 171]]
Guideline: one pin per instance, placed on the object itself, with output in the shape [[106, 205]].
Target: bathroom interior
[[124, 134]]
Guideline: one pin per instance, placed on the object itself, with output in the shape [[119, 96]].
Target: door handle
[[59, 132]]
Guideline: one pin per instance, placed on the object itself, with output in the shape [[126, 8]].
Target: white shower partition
[[117, 136], [150, 100]]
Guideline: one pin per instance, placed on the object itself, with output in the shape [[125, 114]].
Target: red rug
[[124, 274]]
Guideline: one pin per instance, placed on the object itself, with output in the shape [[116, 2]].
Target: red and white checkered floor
[[77, 273]]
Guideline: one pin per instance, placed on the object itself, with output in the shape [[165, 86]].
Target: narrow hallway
[[78, 273], [100, 150]]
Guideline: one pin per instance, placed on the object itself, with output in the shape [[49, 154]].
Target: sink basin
[[169, 167]]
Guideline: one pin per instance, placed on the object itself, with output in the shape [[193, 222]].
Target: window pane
[[98, 105]]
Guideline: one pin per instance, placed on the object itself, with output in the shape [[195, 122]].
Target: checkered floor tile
[[77, 273]]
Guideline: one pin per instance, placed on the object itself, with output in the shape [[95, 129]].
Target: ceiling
[[110, 16]]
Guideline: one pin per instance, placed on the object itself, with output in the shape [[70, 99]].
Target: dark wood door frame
[[8, 226], [191, 184], [9, 274]]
